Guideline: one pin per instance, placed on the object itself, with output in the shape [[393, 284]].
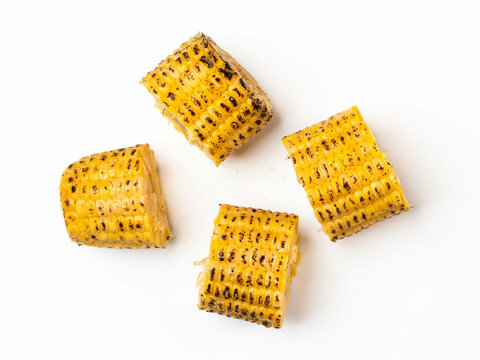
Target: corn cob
[[348, 180], [253, 256], [113, 199], [209, 97]]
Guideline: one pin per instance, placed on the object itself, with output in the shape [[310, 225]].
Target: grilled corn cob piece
[[209, 97], [253, 256], [113, 199], [348, 180]]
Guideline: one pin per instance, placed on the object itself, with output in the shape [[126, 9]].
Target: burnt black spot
[[238, 92], [225, 107], [133, 151], [256, 104], [212, 274], [171, 96], [227, 73], [226, 292], [243, 83], [262, 259], [74, 189], [232, 101], [258, 122], [206, 61]]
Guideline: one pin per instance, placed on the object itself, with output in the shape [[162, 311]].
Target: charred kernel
[[206, 61], [227, 73], [225, 107]]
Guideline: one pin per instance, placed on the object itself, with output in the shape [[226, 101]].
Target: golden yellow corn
[[253, 256], [113, 199], [209, 97], [348, 180]]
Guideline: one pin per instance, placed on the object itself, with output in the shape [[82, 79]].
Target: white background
[[407, 288]]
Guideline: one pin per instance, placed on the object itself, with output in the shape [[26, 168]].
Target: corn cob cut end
[[252, 259], [348, 180], [209, 97], [113, 199]]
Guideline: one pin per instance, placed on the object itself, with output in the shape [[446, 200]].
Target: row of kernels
[[114, 224], [245, 276], [252, 295], [79, 232], [356, 189], [112, 207], [278, 241], [103, 189], [326, 169], [392, 210], [253, 257], [354, 202], [241, 310], [269, 222], [339, 223]]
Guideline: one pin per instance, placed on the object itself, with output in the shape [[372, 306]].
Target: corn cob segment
[[348, 180], [113, 199], [253, 257], [209, 97]]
